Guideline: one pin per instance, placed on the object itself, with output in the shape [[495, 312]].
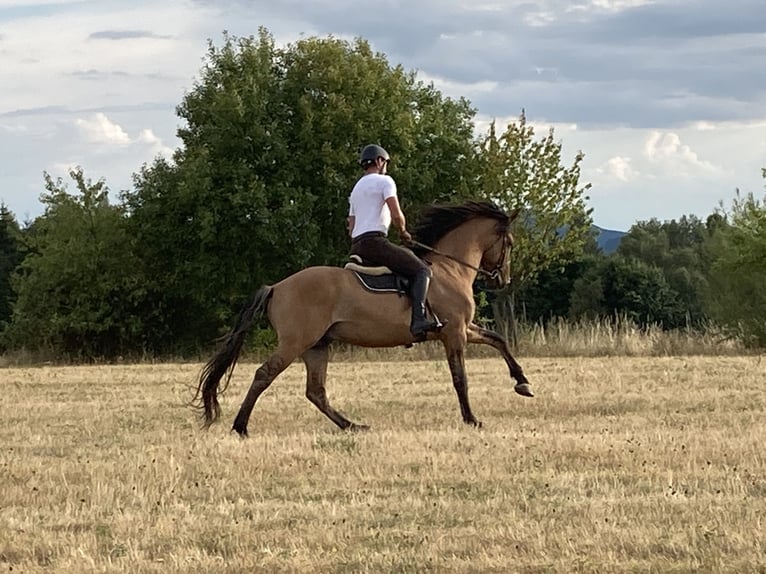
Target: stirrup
[[426, 327]]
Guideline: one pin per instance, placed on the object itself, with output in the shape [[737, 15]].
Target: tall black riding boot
[[420, 325]]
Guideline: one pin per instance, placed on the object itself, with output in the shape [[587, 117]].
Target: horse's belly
[[371, 333]]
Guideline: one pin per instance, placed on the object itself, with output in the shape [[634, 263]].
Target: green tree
[[736, 297], [640, 292], [678, 248], [626, 287], [586, 299], [260, 186], [77, 290], [549, 296], [11, 256], [519, 171]]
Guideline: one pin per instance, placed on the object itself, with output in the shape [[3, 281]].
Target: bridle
[[494, 274]]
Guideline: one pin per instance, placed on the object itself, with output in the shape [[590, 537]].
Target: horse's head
[[488, 229], [496, 259]]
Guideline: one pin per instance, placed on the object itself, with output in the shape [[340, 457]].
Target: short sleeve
[[389, 187]]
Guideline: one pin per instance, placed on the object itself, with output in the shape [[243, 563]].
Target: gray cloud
[[41, 111], [660, 65], [680, 20], [125, 35], [93, 74], [68, 111], [667, 62]]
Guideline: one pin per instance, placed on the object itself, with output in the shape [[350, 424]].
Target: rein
[[494, 274]]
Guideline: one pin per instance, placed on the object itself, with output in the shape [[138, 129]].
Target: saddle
[[377, 278]]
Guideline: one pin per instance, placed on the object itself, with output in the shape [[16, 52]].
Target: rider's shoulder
[[385, 178]]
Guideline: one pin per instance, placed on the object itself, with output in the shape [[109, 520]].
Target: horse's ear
[[514, 214]]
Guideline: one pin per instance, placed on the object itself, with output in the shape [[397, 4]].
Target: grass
[[618, 337], [620, 464]]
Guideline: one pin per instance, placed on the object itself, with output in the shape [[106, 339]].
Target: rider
[[373, 206]]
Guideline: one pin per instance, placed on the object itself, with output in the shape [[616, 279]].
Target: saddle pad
[[382, 283]]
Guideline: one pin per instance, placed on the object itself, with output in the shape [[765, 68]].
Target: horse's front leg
[[482, 336], [456, 361]]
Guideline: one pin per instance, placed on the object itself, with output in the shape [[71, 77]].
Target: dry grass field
[[618, 465]]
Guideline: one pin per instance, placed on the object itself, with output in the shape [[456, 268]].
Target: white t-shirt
[[367, 203]]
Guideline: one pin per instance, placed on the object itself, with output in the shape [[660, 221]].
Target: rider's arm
[[397, 218], [350, 221]]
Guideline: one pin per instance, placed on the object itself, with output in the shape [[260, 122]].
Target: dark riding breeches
[[376, 248]]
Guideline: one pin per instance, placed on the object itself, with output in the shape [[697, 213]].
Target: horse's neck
[[463, 244]]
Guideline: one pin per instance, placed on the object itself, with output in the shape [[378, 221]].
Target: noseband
[[497, 273]]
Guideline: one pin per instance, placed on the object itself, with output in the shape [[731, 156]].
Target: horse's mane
[[436, 220]]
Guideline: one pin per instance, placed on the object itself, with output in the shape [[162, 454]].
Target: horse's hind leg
[[264, 376], [316, 360]]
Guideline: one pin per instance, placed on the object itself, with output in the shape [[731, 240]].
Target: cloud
[[620, 168], [62, 167], [154, 143], [46, 49], [665, 151], [451, 87], [41, 111], [20, 4], [147, 136], [101, 130], [126, 35], [662, 96], [631, 63], [607, 5], [113, 75], [14, 128]]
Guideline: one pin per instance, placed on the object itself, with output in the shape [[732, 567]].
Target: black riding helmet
[[370, 155]]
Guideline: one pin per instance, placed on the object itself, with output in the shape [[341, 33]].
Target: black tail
[[206, 397]]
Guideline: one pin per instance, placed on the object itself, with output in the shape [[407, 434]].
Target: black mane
[[436, 221]]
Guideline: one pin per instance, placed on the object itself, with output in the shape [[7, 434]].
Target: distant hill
[[608, 240]]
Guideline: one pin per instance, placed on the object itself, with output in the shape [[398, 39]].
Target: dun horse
[[318, 305]]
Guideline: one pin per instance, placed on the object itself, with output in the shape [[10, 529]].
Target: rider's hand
[[406, 237]]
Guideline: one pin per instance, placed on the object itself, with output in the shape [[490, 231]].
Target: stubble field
[[618, 465]]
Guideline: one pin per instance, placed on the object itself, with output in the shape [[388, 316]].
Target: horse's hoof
[[474, 423], [524, 390], [242, 432], [353, 427]]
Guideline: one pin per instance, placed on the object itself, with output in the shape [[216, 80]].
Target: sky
[[666, 98]]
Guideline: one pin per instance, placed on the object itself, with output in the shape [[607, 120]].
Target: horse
[[318, 305]]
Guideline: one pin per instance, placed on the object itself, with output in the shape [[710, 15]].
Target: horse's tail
[[225, 359]]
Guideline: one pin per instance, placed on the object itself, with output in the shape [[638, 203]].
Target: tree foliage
[[626, 287], [516, 170], [640, 292], [77, 293], [736, 297], [519, 171], [658, 275], [678, 248], [11, 255]]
